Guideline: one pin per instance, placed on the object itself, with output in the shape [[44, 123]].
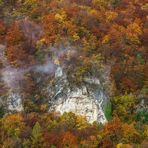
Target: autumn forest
[[102, 39]]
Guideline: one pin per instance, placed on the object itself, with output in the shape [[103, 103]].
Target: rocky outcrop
[[14, 102], [87, 100]]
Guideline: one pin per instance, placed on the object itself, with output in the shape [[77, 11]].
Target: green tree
[[124, 107], [2, 111], [36, 138]]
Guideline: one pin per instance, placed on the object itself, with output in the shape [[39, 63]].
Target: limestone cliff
[[87, 99]]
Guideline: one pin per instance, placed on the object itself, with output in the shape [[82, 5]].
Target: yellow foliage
[[13, 124], [100, 2], [75, 37], [96, 14], [81, 122], [9, 120], [93, 11], [41, 42], [85, 43], [146, 131], [110, 16], [43, 107], [145, 7], [36, 97], [56, 62], [133, 32], [30, 3], [120, 145], [60, 17], [106, 39]]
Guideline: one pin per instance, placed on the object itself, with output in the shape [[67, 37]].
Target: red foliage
[[14, 35]]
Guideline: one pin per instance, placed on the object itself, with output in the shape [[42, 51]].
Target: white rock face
[[15, 102], [83, 101], [82, 105]]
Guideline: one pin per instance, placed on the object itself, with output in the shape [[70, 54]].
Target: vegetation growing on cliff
[[103, 32]]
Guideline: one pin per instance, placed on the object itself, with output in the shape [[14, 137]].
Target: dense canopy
[[100, 32]]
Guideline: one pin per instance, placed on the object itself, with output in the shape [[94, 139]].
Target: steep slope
[[88, 99]]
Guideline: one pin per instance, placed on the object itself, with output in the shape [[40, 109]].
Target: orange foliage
[[69, 140], [102, 31], [2, 32], [14, 35], [16, 55]]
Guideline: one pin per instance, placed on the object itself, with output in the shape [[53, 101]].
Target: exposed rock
[[14, 102], [87, 100]]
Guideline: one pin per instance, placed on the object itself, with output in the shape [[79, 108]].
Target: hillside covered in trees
[[59, 49]]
